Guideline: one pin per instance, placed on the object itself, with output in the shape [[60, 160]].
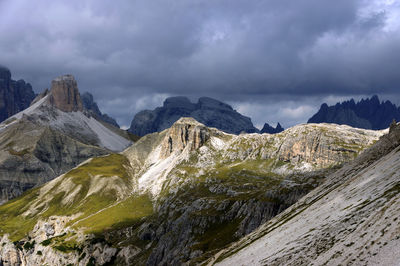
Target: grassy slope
[[125, 213], [13, 221]]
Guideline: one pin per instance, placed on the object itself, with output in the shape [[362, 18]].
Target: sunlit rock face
[[185, 133], [65, 94], [208, 187]]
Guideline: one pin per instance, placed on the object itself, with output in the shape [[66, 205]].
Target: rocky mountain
[[367, 113], [90, 105], [271, 130], [51, 137], [351, 219], [208, 111], [15, 96], [208, 187]]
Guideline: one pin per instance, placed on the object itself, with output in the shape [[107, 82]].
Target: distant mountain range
[[210, 112], [368, 113], [15, 96]]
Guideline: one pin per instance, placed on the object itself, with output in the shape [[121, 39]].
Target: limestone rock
[[47, 153], [193, 190], [65, 94], [185, 133], [351, 219]]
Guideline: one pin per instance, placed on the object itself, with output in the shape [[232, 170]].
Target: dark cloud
[[258, 55]]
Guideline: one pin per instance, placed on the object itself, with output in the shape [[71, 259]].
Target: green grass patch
[[124, 213], [217, 236], [106, 166], [17, 226], [11, 219]]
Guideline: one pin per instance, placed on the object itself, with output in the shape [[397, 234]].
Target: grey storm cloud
[[255, 54]]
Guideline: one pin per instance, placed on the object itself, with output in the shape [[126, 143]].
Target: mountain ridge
[[199, 182], [42, 141], [368, 113]]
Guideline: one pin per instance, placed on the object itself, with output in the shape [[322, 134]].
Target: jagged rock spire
[[64, 94]]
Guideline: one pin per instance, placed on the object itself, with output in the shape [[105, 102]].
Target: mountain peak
[[207, 102], [187, 121], [210, 112], [65, 94], [185, 133], [4, 71], [178, 102], [271, 130]]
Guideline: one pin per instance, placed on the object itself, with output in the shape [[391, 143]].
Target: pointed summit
[[271, 130], [65, 94]]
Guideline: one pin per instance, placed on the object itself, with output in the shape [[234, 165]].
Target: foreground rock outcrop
[[207, 111], [207, 187], [15, 96], [351, 219]]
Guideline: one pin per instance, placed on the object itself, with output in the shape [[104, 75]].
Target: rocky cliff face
[[90, 105], [210, 112], [42, 142], [64, 94], [185, 133], [368, 114], [208, 187], [15, 96]]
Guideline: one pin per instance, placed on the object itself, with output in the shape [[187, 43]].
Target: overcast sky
[[273, 60]]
